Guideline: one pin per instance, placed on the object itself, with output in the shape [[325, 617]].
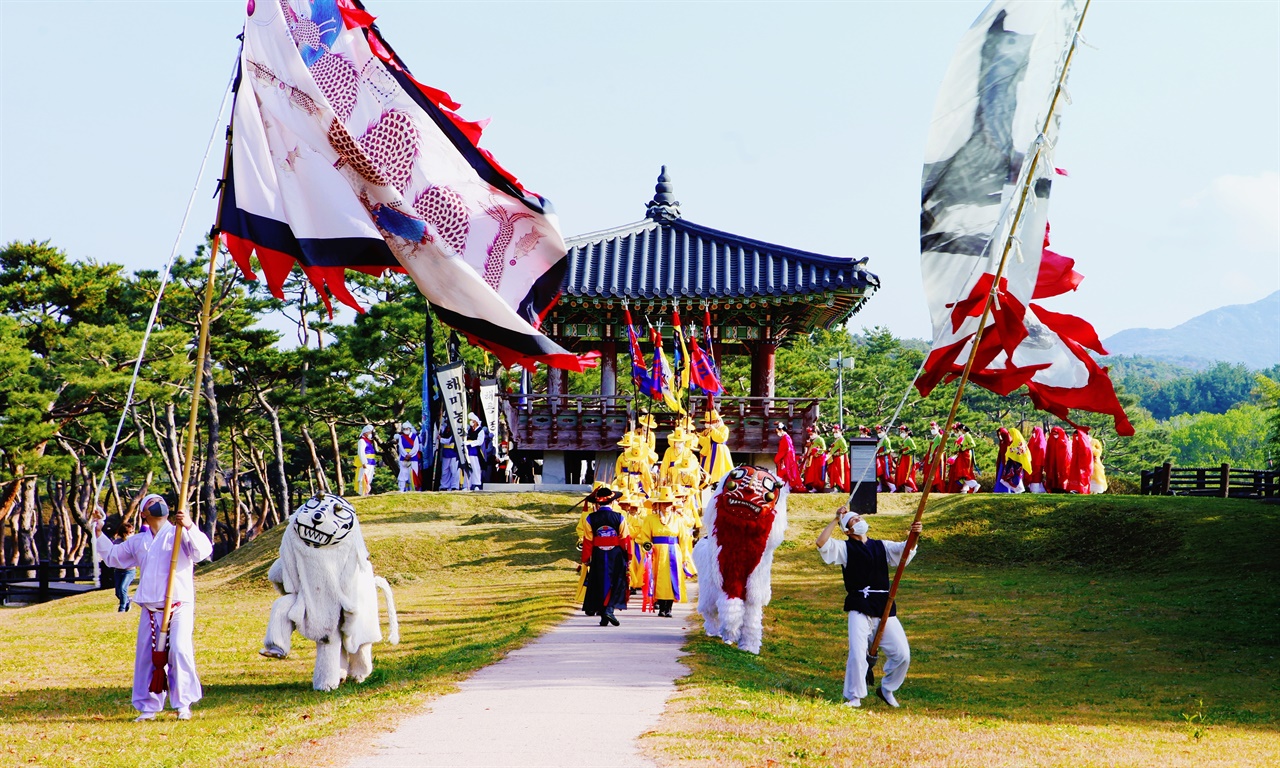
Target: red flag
[[703, 375]]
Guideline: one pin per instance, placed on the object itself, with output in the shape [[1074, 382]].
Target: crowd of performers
[[465, 465], [637, 536], [1052, 463]]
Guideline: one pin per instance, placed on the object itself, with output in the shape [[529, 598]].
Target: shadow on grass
[[265, 700]]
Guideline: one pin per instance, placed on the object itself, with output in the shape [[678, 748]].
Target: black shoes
[[608, 618], [604, 621]]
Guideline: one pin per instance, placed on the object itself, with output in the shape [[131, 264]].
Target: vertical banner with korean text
[[489, 404], [455, 409]]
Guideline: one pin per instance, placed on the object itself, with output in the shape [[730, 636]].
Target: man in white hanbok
[[150, 551], [865, 563]]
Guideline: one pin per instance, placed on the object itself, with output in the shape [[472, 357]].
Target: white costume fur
[[731, 619], [329, 595]]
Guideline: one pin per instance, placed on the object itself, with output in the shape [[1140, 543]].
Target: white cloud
[[1250, 205]]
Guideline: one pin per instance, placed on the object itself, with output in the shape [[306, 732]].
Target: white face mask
[[860, 528]]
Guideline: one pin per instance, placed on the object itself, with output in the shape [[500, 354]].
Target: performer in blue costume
[[476, 435], [366, 461], [449, 466]]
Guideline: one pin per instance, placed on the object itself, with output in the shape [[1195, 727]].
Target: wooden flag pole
[[202, 345], [912, 537], [160, 652], [190, 437]]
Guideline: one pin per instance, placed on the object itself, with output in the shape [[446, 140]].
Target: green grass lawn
[[1060, 631], [466, 594], [1045, 631]]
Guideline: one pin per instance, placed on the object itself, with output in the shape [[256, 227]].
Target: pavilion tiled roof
[[665, 256]]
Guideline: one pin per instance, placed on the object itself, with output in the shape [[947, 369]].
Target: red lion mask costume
[[743, 523]]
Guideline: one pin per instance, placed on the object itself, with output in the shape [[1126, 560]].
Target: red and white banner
[[342, 160], [989, 122]]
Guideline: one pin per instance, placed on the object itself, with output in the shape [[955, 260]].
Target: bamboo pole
[[190, 447], [912, 537]]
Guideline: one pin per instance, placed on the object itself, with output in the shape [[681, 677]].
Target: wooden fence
[[1222, 481]]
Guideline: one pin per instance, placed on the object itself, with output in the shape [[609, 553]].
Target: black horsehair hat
[[603, 495]]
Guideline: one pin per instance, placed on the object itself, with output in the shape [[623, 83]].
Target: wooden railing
[[1223, 481], [545, 422], [42, 579]]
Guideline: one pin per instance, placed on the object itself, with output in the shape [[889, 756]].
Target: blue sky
[[795, 123]]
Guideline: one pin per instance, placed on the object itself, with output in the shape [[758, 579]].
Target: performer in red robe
[[885, 464], [1057, 461], [1081, 463], [908, 454], [815, 462], [1036, 445], [785, 459], [838, 460], [962, 478]]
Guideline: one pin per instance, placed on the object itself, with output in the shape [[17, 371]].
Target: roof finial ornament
[[663, 206]]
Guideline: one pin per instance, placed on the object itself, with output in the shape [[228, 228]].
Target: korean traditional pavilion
[[758, 294]]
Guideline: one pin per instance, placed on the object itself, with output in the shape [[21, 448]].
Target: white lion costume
[[743, 523], [328, 593]]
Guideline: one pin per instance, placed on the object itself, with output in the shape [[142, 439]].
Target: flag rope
[[155, 307]]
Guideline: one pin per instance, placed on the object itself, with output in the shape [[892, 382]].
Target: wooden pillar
[[609, 368], [762, 354], [557, 384]]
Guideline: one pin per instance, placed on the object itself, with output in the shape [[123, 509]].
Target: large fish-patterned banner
[[340, 159], [991, 119]]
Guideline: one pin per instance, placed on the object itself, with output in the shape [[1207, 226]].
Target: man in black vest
[[866, 563]]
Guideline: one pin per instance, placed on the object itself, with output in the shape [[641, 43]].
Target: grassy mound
[[1112, 531], [1058, 631], [467, 593]]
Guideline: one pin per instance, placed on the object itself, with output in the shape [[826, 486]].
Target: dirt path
[[579, 695]]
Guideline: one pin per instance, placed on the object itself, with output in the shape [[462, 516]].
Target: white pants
[[862, 628], [406, 475], [449, 479], [184, 683], [365, 480]]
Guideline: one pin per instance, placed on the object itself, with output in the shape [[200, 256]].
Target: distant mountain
[[1241, 333]]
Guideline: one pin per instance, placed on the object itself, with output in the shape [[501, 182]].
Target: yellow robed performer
[[633, 469], [716, 459], [644, 430], [664, 530], [631, 505], [1097, 478], [1019, 452], [674, 456]]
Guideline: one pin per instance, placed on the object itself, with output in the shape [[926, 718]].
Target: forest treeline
[[287, 390]]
